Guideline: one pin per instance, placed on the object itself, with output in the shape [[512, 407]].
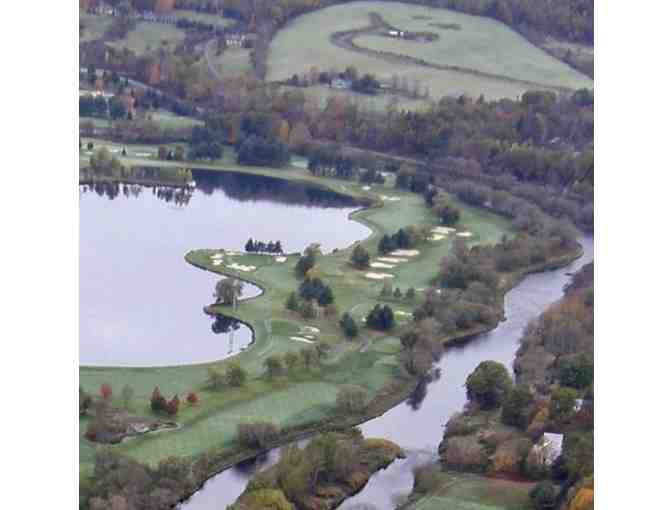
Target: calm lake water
[[141, 304], [417, 424]]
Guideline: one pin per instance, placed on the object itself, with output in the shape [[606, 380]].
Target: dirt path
[[345, 40]]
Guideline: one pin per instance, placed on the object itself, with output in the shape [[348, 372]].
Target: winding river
[[417, 424], [135, 237]]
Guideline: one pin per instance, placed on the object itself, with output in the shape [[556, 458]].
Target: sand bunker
[[366, 188], [405, 253], [465, 234], [390, 199], [381, 265], [143, 154], [281, 259], [216, 262], [391, 260], [437, 237], [378, 276], [301, 339], [241, 267], [443, 230], [311, 329]]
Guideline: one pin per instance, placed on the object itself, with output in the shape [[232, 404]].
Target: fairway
[[307, 396], [505, 60]]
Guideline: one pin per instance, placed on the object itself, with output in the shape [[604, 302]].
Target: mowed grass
[[94, 26], [471, 492], [232, 61], [308, 395], [147, 37], [482, 44]]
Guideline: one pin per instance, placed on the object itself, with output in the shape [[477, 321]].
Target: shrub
[[543, 496], [105, 391], [516, 407], [192, 398], [351, 399]]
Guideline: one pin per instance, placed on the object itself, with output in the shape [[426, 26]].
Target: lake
[[141, 304]]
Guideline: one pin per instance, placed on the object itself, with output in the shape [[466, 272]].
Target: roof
[[551, 444]]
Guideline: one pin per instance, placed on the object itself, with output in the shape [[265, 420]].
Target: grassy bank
[[303, 401]]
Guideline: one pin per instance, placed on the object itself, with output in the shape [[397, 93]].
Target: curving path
[[346, 41]]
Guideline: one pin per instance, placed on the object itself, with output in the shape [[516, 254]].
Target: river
[[417, 424], [141, 304]]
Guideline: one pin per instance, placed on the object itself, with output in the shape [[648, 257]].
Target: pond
[[141, 304], [417, 424]]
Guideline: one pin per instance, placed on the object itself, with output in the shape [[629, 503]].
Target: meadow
[[203, 17], [146, 37], [481, 44], [471, 492]]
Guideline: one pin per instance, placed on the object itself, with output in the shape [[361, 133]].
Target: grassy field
[[164, 118], [472, 492], [307, 396], [232, 61], [94, 26], [481, 44], [148, 36]]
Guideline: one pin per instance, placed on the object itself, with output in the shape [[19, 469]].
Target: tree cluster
[[380, 318], [159, 404], [254, 246]]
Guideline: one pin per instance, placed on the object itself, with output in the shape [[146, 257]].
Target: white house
[[549, 447]]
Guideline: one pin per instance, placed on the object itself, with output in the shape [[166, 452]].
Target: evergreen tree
[[349, 326], [292, 302], [360, 257]]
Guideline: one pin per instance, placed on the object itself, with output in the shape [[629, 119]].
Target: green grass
[[306, 396], [148, 36], [232, 61], [169, 120], [482, 44], [94, 26], [472, 492]]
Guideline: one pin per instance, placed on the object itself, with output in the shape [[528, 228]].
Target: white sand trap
[[115, 150], [301, 339], [465, 234], [241, 267], [143, 154], [443, 230], [390, 199], [405, 253], [378, 276], [311, 337], [217, 256], [311, 329], [281, 259], [382, 265], [437, 237], [391, 260], [88, 153], [216, 262], [366, 188]]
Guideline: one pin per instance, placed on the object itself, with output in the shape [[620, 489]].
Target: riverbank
[[301, 403]]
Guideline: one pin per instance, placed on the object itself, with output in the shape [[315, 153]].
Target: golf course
[[306, 397]]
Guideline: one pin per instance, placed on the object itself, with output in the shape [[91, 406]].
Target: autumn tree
[[105, 391]]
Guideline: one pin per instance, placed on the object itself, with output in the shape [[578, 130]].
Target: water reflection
[[141, 304]]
